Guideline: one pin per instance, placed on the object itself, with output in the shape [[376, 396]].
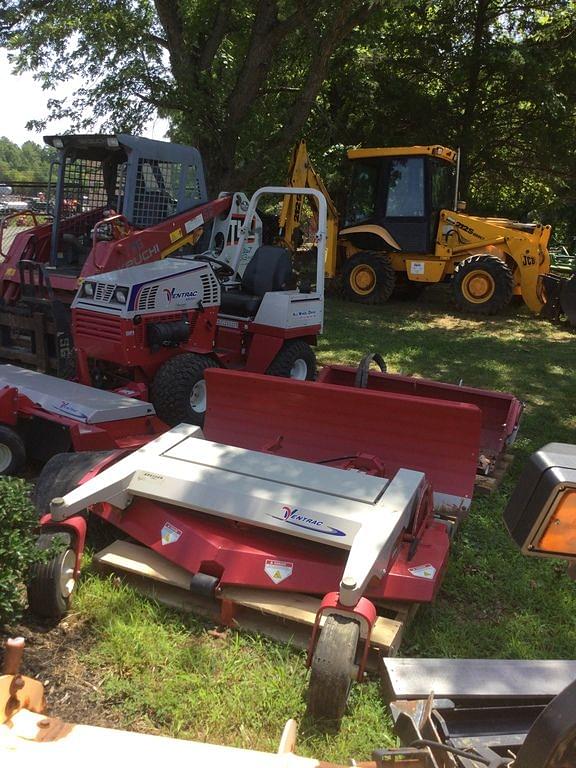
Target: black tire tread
[[330, 671], [61, 474], [170, 392], [292, 350], [385, 277], [12, 439], [44, 598], [504, 288]]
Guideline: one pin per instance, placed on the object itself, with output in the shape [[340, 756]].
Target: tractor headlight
[[121, 295], [89, 289], [541, 515]]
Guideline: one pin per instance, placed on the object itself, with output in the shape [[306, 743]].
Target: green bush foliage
[[18, 520]]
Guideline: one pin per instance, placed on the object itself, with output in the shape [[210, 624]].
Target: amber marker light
[[557, 536]]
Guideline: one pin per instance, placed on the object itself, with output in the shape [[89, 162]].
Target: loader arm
[[301, 173]]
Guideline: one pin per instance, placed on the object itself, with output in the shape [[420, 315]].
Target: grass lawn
[[161, 671]]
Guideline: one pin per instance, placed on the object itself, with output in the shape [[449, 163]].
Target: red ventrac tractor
[[150, 332]]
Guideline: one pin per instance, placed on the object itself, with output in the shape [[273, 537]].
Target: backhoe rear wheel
[[368, 278], [482, 285], [333, 669]]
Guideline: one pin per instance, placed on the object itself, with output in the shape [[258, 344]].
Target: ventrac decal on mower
[[293, 517], [65, 407]]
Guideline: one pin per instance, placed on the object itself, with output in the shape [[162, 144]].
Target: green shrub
[[18, 520]]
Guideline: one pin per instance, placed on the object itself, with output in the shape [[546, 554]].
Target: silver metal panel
[[72, 400], [355, 486]]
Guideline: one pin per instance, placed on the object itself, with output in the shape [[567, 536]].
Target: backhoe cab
[[404, 228]]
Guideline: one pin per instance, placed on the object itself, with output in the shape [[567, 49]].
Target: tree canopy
[[244, 80], [30, 162]]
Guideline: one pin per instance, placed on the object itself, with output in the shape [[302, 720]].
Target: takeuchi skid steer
[[278, 494]]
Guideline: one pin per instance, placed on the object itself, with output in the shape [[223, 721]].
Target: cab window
[[363, 192], [406, 188]]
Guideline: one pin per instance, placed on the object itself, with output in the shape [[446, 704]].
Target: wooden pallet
[[287, 617], [487, 484]]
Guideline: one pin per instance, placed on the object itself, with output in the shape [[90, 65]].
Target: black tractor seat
[[270, 269]]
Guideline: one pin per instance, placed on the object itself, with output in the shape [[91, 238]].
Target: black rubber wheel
[[332, 669], [51, 583], [178, 391], [368, 278], [483, 285], [12, 451], [296, 360], [61, 474]]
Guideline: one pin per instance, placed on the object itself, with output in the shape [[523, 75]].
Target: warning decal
[[170, 534], [278, 570], [423, 571]]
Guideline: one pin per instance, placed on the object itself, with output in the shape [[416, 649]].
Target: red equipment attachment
[[501, 411]]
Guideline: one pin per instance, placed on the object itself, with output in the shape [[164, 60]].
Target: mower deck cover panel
[[324, 423], [352, 486], [75, 401]]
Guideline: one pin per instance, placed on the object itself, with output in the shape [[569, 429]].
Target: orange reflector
[[559, 536]]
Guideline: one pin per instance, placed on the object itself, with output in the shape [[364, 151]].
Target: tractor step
[[488, 484], [283, 616]]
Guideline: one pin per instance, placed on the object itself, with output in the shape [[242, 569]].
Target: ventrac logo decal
[[293, 517], [173, 295]]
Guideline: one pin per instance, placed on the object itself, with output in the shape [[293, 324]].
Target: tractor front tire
[[368, 278], [296, 360], [12, 451], [51, 583], [62, 474], [332, 670], [178, 391], [482, 285]]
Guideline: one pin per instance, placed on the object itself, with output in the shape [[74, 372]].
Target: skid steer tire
[[296, 360], [332, 670], [178, 391], [12, 451], [51, 583], [368, 278], [482, 285], [62, 474]]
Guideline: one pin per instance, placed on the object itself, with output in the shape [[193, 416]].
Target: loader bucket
[[326, 423], [501, 411]]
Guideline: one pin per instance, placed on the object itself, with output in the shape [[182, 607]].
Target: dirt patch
[[53, 656]]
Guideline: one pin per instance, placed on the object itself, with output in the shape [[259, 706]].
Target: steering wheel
[[222, 267]]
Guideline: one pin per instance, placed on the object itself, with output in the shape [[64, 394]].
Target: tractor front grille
[[103, 292], [97, 326]]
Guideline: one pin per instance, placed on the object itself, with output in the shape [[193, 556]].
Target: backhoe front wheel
[[482, 285], [333, 669], [368, 278]]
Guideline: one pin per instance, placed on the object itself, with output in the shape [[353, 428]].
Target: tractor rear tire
[[12, 451], [178, 392], [368, 278], [51, 583], [296, 360], [62, 474], [332, 669], [482, 285]]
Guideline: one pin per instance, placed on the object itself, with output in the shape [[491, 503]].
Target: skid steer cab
[[152, 331]]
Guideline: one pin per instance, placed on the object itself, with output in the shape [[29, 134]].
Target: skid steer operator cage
[[147, 181]]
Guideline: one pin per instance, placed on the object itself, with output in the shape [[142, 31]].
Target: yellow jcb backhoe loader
[[404, 229]]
